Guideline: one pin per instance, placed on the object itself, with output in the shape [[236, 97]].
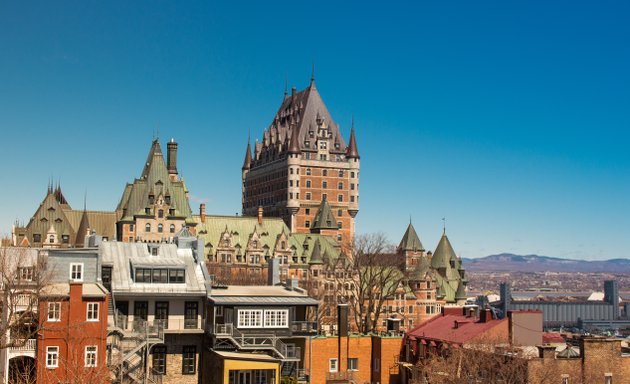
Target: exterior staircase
[[128, 349]]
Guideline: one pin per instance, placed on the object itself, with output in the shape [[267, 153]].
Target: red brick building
[[71, 346]]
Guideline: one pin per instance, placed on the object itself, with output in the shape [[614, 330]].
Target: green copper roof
[[154, 180], [411, 241], [324, 218], [443, 254]]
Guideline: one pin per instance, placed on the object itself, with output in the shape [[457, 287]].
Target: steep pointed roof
[[300, 112], [352, 152], [155, 180], [443, 253], [248, 157], [324, 218], [410, 240], [294, 145], [316, 256], [84, 228]]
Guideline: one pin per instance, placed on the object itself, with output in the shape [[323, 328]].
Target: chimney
[[171, 159], [485, 315], [455, 324], [273, 271], [260, 215], [202, 212]]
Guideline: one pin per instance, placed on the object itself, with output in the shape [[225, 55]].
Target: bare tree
[[488, 361], [23, 279], [236, 274], [372, 274]]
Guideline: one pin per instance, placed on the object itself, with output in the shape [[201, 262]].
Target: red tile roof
[[553, 337], [442, 328]]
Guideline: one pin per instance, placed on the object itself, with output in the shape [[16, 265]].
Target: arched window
[[172, 228], [160, 228], [147, 228]]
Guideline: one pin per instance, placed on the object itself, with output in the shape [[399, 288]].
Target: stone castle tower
[[303, 171]]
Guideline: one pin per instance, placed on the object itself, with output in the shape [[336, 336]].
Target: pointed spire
[[411, 240], [352, 152], [286, 86], [294, 145], [316, 256], [248, 156], [324, 218], [313, 74]]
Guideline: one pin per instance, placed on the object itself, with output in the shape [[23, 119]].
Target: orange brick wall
[[365, 348]]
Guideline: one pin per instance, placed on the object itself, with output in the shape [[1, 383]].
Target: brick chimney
[[485, 315], [171, 159], [260, 215], [202, 212]]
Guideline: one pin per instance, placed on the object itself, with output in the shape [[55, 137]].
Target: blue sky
[[510, 119]]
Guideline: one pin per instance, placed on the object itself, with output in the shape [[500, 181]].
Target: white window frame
[[333, 365], [93, 308], [276, 318], [250, 318], [357, 363], [78, 273], [52, 357], [91, 356], [55, 308]]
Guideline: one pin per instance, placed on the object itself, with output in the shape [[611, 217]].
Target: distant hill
[[534, 263]]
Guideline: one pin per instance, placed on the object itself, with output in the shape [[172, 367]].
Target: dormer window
[[151, 199], [307, 144], [167, 199], [171, 211], [160, 213], [323, 145], [147, 210]]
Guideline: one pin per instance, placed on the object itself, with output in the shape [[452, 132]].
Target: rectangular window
[[276, 318], [341, 173], [307, 224], [92, 312], [161, 313], [160, 276], [411, 309], [54, 311], [324, 184], [608, 379], [52, 357], [159, 359], [65, 239], [191, 312], [308, 195], [250, 318], [176, 276], [353, 364], [189, 358], [308, 183], [76, 272], [37, 238], [340, 186], [90, 356], [339, 224], [332, 365], [25, 273]]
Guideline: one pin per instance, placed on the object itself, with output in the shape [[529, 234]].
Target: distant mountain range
[[507, 262]]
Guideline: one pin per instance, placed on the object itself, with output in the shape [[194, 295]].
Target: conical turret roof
[[410, 240], [352, 152], [443, 253], [324, 218], [248, 157], [83, 230], [316, 256]]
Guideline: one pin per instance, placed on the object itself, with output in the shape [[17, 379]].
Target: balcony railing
[[28, 346], [304, 327], [340, 376]]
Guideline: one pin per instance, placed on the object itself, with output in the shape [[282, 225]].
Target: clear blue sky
[[510, 119]]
